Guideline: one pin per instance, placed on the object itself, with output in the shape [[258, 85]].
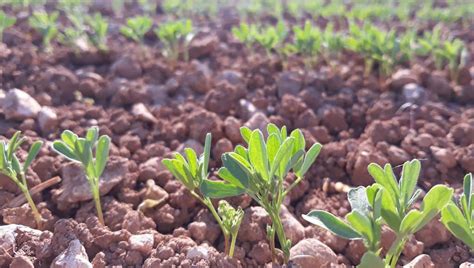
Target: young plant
[[192, 171], [307, 42], [376, 46], [260, 170], [11, 167], [459, 219], [231, 220], [92, 152], [45, 24], [5, 22], [136, 28], [245, 33], [175, 35], [98, 31], [386, 201], [271, 38]]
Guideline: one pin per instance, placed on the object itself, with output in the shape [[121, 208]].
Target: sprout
[[92, 152], [175, 35], [192, 172], [136, 28], [10, 166], [45, 24], [459, 219], [385, 201], [259, 171]]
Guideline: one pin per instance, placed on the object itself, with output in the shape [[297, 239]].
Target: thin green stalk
[[395, 250], [34, 210], [208, 203], [96, 196], [278, 227], [232, 245]]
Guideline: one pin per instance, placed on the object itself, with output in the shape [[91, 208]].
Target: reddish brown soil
[[150, 108]]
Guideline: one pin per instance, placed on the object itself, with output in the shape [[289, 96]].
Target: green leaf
[[206, 155], [273, 144], [456, 223], [102, 154], [92, 134], [236, 169], [64, 150], [246, 133], [13, 145], [224, 174], [409, 179], [192, 160], [69, 138], [219, 189], [411, 221], [257, 151], [34, 150], [389, 211], [309, 159], [361, 223], [273, 129], [282, 157], [357, 198], [16, 164], [468, 186], [240, 150], [300, 142], [330, 222], [371, 260], [382, 177], [3, 156]]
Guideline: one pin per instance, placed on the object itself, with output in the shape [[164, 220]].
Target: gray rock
[[198, 252], [258, 121], [294, 230], [289, 83], [312, 253], [127, 67], [422, 261], [47, 120], [142, 113], [142, 243], [18, 105], [74, 256], [413, 93], [75, 188]]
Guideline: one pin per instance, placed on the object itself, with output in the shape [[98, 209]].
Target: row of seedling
[[259, 170], [384, 49], [86, 31]]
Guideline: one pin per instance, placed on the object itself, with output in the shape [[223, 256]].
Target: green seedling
[[175, 35], [74, 35], [376, 46], [272, 38], [192, 171], [231, 220], [92, 152], [260, 170], [10, 166], [136, 28], [459, 218], [307, 42], [450, 53], [386, 201], [45, 24], [98, 31], [245, 33], [5, 22]]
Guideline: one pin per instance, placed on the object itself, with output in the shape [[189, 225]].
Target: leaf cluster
[[11, 167], [92, 152], [175, 35], [389, 202], [46, 25], [459, 217], [136, 28]]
